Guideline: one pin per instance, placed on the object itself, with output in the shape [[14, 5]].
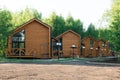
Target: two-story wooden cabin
[[89, 47], [69, 44], [32, 39], [104, 48]]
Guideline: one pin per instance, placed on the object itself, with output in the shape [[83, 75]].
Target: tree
[[57, 23], [78, 27], [75, 25], [92, 31], [5, 24], [115, 24], [60, 25], [24, 15], [104, 34], [69, 22]]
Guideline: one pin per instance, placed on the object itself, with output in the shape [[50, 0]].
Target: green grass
[[14, 60], [60, 60]]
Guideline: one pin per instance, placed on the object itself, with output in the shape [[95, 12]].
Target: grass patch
[[60, 60]]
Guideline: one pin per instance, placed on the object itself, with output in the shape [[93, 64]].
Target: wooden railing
[[20, 52], [32, 52]]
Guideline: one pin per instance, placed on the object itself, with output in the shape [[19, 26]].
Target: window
[[18, 40], [61, 43], [55, 44], [91, 43], [103, 44]]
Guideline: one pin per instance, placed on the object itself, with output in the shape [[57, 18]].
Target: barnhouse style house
[[32, 39], [89, 47], [69, 44], [103, 48]]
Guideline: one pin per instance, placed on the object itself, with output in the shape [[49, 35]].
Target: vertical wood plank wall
[[69, 39], [87, 52], [37, 38], [104, 51]]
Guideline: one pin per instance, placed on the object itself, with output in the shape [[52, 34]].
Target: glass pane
[[15, 45], [18, 40], [21, 45], [91, 43], [103, 44]]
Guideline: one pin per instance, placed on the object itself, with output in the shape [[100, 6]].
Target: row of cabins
[[33, 40]]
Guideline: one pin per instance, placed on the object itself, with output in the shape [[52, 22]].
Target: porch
[[20, 53]]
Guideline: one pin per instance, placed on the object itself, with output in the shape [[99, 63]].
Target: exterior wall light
[[91, 48], [83, 47], [73, 46], [96, 48]]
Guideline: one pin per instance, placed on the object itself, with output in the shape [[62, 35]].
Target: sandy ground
[[12, 71]]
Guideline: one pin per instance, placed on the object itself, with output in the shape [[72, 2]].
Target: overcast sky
[[86, 10]]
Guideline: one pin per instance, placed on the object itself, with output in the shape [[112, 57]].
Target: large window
[[18, 43], [18, 40]]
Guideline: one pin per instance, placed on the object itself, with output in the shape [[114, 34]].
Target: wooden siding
[[38, 43], [89, 51], [37, 39], [104, 51], [70, 38]]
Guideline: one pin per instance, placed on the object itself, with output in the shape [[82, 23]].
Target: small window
[[55, 46], [61, 43], [103, 44], [91, 43]]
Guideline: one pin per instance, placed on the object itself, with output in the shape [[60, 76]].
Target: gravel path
[[11, 71]]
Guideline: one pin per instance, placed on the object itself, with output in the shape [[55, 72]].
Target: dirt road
[[57, 72]]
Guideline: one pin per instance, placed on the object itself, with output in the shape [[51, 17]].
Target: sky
[[88, 11]]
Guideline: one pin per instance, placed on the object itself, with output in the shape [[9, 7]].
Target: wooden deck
[[16, 56]]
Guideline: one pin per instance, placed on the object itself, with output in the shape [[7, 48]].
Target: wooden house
[[104, 48], [89, 47], [32, 39], [69, 44]]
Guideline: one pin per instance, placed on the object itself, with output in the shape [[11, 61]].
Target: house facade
[[89, 47], [69, 44], [32, 39], [104, 48]]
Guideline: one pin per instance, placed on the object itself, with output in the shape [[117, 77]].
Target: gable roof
[[30, 21], [102, 40], [89, 37], [67, 32]]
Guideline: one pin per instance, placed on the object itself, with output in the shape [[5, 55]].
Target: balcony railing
[[20, 52]]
